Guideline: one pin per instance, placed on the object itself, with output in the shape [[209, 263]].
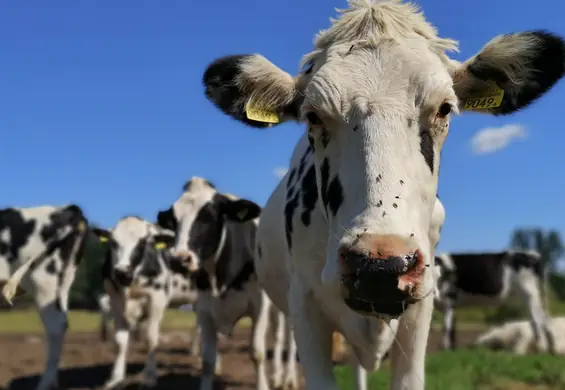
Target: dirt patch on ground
[[86, 361]]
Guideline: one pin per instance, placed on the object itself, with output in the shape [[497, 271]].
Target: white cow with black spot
[[484, 279], [139, 268], [40, 249], [215, 234], [351, 221]]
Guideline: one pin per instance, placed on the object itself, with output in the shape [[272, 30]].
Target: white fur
[[518, 336]]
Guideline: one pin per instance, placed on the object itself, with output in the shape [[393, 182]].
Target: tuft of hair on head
[[378, 19], [197, 182]]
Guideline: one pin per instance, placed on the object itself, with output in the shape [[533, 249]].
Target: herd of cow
[[345, 243]]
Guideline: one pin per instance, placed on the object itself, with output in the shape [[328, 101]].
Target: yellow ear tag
[[491, 98], [255, 113], [160, 245], [103, 239]]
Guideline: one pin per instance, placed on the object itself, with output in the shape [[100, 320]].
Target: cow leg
[[261, 321], [209, 349], [195, 340], [529, 285], [157, 306], [409, 352], [449, 339], [313, 333], [291, 375], [278, 350], [360, 377], [121, 337], [54, 320]]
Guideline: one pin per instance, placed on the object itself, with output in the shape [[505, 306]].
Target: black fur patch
[[325, 177], [335, 195], [309, 195], [526, 260], [20, 231], [427, 148], [480, 273]]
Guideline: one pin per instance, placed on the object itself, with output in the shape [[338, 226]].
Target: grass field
[[477, 369]]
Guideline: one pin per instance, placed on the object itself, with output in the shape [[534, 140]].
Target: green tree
[[88, 280], [547, 243]]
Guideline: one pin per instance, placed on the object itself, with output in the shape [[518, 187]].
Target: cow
[[41, 247], [351, 219], [138, 266], [137, 313], [489, 278], [215, 233], [518, 337]]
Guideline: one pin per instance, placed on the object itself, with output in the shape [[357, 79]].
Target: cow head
[[377, 95], [199, 216], [130, 244]]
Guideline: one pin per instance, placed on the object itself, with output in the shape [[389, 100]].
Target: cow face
[[132, 243], [377, 95], [199, 218]]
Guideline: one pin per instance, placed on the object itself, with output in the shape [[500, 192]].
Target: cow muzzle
[[381, 274], [187, 259], [123, 277]]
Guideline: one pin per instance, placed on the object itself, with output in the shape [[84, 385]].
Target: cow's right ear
[[252, 90], [102, 234], [166, 219]]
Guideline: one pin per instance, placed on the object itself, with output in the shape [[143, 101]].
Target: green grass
[[477, 369], [27, 321]]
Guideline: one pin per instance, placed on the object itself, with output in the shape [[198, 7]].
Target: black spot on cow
[[309, 195], [167, 220], [51, 267], [289, 210], [157, 286], [151, 266], [335, 195], [480, 274], [19, 231], [527, 260], [201, 280], [175, 283], [427, 148], [325, 177], [184, 287]]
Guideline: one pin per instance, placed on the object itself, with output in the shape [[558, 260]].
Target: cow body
[[47, 244], [479, 279], [215, 234], [141, 279]]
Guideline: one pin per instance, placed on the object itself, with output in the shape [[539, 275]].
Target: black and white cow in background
[[183, 292], [139, 266], [489, 278], [40, 248], [216, 232]]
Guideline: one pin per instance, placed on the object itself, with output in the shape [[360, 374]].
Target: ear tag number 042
[[492, 98]]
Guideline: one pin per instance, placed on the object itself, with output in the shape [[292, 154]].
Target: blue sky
[[101, 103]]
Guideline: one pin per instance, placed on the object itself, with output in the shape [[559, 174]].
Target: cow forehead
[[381, 77], [130, 230], [191, 201]]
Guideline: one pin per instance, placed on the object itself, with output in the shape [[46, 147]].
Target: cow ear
[[510, 72], [163, 241], [166, 219], [252, 90], [238, 210], [102, 234]]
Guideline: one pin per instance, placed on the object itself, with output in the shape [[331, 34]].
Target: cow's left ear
[[510, 72], [163, 241], [238, 210]]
